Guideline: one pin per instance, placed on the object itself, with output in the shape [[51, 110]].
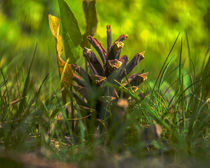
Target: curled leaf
[[64, 68]]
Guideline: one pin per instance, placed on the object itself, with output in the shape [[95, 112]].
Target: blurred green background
[[151, 26]]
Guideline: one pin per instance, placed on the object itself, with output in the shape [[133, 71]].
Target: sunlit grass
[[167, 126], [29, 120]]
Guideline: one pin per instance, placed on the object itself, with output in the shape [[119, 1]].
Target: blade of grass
[[35, 98], [191, 63], [204, 60], [181, 84], [182, 93], [164, 72], [165, 62], [5, 84], [26, 86]]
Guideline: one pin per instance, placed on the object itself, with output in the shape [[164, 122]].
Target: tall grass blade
[[191, 63], [5, 84], [164, 71], [165, 62], [26, 86]]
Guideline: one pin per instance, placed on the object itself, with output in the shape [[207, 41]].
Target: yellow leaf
[[59, 46], [64, 68], [54, 25]]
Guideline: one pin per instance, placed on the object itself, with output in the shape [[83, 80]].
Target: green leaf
[[89, 7], [71, 33]]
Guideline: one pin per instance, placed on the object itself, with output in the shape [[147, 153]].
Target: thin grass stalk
[[4, 83], [181, 84], [26, 85], [191, 63], [165, 62]]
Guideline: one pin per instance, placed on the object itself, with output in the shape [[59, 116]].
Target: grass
[[33, 120]]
